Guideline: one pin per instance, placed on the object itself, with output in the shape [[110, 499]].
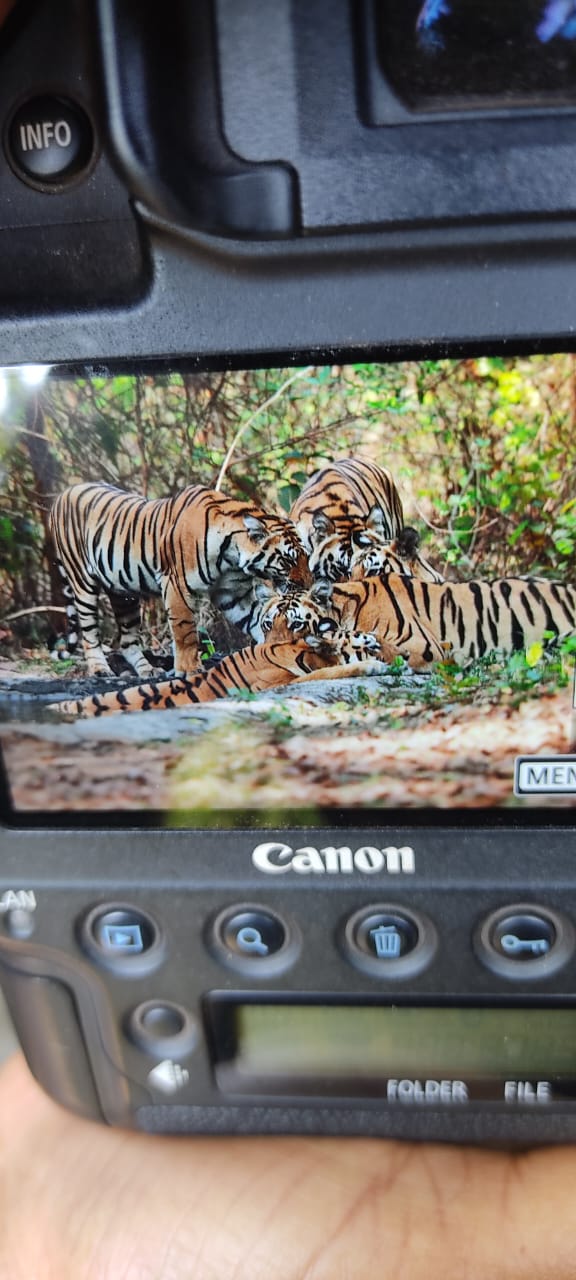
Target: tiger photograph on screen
[[344, 586]]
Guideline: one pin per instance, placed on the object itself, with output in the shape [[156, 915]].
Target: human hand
[[81, 1202]]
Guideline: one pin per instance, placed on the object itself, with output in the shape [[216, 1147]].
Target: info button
[[122, 938], [50, 141]]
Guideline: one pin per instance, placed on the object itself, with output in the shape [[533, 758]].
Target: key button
[[524, 937], [525, 941]]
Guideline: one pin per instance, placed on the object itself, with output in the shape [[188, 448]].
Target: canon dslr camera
[[288, 563]]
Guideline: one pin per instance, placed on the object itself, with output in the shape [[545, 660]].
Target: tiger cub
[[425, 622], [256, 668], [198, 541]]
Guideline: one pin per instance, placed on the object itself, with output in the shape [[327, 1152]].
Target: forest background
[[482, 450]]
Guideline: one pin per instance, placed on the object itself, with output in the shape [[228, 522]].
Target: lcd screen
[[446, 54], [363, 576], [331, 1041]]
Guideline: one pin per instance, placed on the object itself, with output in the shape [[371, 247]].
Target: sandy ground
[[270, 754]]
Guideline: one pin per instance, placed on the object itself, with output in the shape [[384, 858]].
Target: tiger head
[[399, 556], [267, 547], [347, 647], [294, 615], [336, 545], [287, 614]]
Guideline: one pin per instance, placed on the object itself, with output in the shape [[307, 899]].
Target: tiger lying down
[[426, 622], [360, 627], [255, 668]]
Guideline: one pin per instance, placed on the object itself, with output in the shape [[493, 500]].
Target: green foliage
[[362, 696], [206, 645], [62, 665], [279, 718], [20, 538], [517, 675]]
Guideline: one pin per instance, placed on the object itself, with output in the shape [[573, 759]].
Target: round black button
[[122, 938], [160, 1021], [253, 940], [523, 938], [388, 942], [255, 934], [525, 941], [50, 140], [386, 937], [162, 1028]]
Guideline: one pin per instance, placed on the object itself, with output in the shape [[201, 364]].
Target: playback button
[[122, 938]]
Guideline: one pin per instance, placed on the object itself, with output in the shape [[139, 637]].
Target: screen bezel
[[230, 820]]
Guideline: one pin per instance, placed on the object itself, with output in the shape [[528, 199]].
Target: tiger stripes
[[427, 622], [196, 542], [348, 506], [256, 668], [347, 513], [300, 611], [400, 556]]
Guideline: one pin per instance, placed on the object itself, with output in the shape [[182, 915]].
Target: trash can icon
[[387, 941]]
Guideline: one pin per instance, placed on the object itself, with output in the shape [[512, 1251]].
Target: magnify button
[[249, 939]]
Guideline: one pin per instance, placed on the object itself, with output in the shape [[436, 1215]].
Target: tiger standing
[[197, 541]]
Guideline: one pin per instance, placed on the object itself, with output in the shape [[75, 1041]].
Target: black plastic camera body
[[242, 183]]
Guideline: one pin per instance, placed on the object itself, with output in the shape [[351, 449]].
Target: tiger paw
[[144, 669], [132, 654], [99, 667]]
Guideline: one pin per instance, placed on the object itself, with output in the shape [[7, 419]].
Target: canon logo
[[275, 859]]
